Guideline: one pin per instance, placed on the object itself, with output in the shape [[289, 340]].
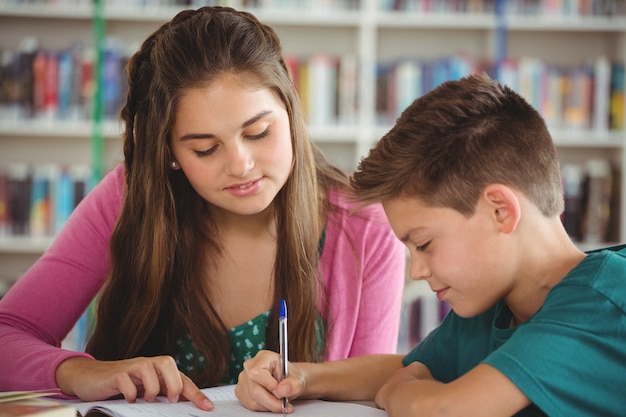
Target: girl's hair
[[448, 145], [158, 284]]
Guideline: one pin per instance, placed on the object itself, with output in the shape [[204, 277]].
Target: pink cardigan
[[42, 307]]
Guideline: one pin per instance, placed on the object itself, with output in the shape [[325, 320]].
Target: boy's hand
[[93, 380], [259, 387], [403, 375]]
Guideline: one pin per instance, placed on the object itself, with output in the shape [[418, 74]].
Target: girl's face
[[233, 143], [463, 259]]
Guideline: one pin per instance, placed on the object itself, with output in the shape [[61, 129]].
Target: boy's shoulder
[[604, 271], [618, 249], [610, 259]]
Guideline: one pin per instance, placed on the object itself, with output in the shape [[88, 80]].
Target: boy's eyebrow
[[251, 121], [407, 236]]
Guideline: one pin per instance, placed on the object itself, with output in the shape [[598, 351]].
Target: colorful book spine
[[5, 214], [63, 199], [38, 200], [399, 83], [616, 112], [578, 98], [598, 201], [66, 78], [42, 193]]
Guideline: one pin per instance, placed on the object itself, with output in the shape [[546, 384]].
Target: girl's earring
[[174, 165]]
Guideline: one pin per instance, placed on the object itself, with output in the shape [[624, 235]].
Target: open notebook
[[226, 405]]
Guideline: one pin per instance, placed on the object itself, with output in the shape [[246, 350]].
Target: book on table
[[30, 404], [226, 405]]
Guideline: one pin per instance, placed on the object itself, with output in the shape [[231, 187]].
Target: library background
[[357, 64]]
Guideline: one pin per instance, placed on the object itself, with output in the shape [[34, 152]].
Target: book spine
[[598, 201], [408, 84], [5, 214], [601, 93], [617, 97], [42, 195], [65, 85], [348, 90], [24, 76], [81, 177], [64, 199], [572, 216], [112, 83], [20, 180], [39, 75], [322, 90], [51, 87]]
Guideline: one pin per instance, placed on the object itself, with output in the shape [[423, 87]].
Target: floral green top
[[246, 340]]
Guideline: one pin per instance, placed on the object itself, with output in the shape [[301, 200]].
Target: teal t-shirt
[[569, 358]]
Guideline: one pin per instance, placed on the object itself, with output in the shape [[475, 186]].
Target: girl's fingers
[[192, 393]]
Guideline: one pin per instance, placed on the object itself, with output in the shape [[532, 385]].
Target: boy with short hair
[[470, 182]]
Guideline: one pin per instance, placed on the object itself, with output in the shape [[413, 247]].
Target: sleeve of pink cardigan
[[42, 307], [364, 269], [384, 273]]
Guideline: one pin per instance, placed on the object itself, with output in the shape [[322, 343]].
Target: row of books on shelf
[[44, 84], [581, 97], [511, 7], [260, 4], [39, 83], [591, 192], [328, 87], [36, 201]]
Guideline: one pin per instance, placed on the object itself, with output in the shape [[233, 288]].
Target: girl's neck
[[231, 223]]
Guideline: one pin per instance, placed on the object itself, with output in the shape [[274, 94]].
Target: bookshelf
[[370, 31]]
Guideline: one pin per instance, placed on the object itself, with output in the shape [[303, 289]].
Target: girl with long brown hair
[[222, 208]]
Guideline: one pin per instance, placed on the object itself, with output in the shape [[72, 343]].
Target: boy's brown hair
[[449, 144]]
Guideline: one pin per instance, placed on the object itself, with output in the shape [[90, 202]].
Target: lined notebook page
[[226, 405]]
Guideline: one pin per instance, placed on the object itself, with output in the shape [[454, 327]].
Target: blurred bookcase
[[357, 64]]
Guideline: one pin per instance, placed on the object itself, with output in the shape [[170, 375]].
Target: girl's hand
[[93, 380], [259, 387]]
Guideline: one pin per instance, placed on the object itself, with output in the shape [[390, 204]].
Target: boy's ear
[[504, 206]]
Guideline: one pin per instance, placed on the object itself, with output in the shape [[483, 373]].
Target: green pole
[[97, 145]]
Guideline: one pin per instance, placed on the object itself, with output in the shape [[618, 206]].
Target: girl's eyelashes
[[208, 152], [261, 135], [202, 154]]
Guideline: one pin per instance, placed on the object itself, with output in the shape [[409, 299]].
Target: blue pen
[[282, 342]]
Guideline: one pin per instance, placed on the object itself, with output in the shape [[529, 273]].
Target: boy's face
[[461, 258]]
